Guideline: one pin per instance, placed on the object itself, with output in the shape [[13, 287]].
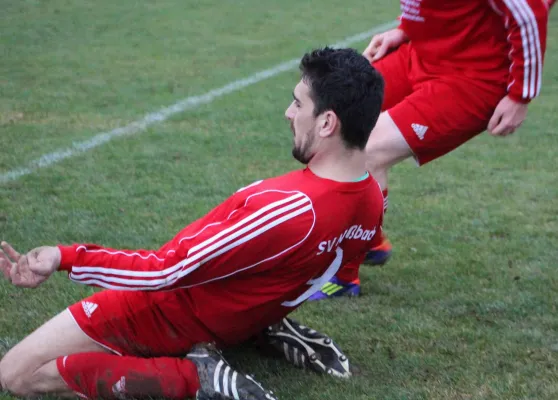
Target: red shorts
[[144, 324], [435, 110]]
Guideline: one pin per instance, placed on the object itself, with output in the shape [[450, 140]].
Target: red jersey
[[251, 260], [495, 40]]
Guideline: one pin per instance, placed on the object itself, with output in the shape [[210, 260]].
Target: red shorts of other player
[[436, 110]]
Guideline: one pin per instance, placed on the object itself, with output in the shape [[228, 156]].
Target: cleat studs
[[313, 357], [327, 341], [343, 358]]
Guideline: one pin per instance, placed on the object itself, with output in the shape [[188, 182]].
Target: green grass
[[466, 309]]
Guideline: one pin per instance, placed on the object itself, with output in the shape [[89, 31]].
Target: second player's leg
[[385, 148], [439, 116]]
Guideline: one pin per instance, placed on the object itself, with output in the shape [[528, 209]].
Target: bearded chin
[[302, 155], [297, 154]]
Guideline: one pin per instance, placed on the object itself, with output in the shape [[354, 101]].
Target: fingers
[[372, 48], [503, 130], [508, 116], [21, 276], [5, 265], [18, 272], [497, 124], [494, 120], [9, 250], [14, 274], [504, 127], [382, 51]]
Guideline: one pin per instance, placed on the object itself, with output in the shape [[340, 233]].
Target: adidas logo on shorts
[[89, 308], [420, 130]]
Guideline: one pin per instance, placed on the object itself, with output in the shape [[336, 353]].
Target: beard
[[302, 153]]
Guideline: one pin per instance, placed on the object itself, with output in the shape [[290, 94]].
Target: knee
[[15, 375], [11, 381]]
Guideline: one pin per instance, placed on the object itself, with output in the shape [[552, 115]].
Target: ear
[[328, 124]]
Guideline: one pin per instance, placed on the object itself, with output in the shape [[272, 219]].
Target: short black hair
[[344, 81]]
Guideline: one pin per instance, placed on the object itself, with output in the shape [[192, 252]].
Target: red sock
[[385, 193], [349, 271], [95, 375]]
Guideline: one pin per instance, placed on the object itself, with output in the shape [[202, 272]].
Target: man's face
[[303, 123]]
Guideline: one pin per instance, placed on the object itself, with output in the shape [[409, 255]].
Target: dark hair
[[343, 81]]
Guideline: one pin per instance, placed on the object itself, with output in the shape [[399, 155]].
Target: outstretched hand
[[31, 269]]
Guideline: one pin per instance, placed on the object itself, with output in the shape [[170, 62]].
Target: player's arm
[[31, 269], [255, 235], [91, 264], [526, 22]]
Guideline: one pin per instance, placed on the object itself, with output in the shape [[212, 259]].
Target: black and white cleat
[[307, 348], [219, 381]]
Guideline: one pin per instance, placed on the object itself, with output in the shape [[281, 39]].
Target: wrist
[[402, 34], [518, 99], [66, 257]]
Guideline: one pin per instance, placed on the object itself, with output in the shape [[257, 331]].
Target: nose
[[290, 112]]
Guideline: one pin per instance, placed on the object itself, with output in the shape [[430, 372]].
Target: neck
[[344, 166]]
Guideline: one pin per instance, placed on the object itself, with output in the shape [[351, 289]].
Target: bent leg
[[29, 368], [439, 116], [53, 359]]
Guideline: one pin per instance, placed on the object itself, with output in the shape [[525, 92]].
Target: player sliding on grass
[[225, 278], [452, 69]]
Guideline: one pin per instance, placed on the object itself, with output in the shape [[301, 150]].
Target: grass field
[[466, 309]]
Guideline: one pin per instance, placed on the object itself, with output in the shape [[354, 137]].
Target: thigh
[[394, 68], [443, 113], [386, 145]]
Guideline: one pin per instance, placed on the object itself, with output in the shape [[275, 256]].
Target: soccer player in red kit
[[224, 278], [452, 69]]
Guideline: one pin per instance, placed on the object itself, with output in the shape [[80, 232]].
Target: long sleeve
[[526, 23], [258, 233]]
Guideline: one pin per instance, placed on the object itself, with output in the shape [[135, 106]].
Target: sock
[[385, 193], [349, 272], [95, 375]]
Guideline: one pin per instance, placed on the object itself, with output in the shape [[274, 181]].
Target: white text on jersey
[[354, 232]]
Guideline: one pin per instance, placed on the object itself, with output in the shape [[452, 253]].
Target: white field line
[[165, 113]]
